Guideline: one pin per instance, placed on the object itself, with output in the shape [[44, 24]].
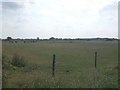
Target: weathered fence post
[[95, 59], [53, 66]]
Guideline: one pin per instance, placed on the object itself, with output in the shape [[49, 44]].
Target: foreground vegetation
[[74, 64]]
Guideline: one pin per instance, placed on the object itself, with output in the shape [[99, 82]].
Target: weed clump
[[18, 61]]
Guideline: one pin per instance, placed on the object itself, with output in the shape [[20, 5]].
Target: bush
[[5, 62], [18, 61]]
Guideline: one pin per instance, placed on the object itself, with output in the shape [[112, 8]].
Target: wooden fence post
[[95, 59], [53, 66]]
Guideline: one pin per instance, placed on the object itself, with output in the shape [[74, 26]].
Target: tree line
[[53, 38]]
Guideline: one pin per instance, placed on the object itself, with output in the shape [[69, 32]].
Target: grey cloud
[[110, 8], [11, 5]]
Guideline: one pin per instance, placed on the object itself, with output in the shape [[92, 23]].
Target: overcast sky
[[59, 18]]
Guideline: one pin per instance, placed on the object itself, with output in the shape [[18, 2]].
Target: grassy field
[[74, 65], [0, 64]]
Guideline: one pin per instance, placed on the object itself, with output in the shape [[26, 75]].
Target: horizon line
[[65, 38]]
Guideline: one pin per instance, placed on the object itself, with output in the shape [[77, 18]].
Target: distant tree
[[52, 38], [37, 38], [9, 38]]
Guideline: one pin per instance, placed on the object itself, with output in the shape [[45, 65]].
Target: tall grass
[[18, 61]]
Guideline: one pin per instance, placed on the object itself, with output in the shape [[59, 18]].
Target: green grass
[[0, 64], [76, 57]]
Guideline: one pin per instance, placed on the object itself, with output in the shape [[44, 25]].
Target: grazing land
[[74, 67]]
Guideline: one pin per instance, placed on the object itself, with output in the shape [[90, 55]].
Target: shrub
[[5, 62], [18, 61]]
